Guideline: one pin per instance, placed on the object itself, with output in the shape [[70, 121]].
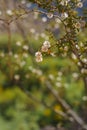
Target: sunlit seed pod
[[26, 47], [66, 48], [78, 25], [47, 44], [60, 73], [84, 71], [79, 64], [58, 84], [64, 15], [77, 47], [80, 4], [84, 60], [2, 54], [38, 54], [16, 56], [38, 72], [64, 2], [52, 54], [44, 48], [51, 76], [16, 76], [44, 19], [23, 1], [43, 35], [9, 12], [57, 20], [18, 43], [39, 59], [73, 56], [25, 55], [84, 98], [75, 75], [32, 30], [50, 15], [81, 44]]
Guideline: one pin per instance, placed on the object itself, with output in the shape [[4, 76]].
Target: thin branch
[[27, 11], [9, 50], [66, 106], [61, 113]]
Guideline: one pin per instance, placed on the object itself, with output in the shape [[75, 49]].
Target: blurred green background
[[18, 69]]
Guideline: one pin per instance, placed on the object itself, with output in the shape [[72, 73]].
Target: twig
[[61, 113], [9, 50], [66, 106]]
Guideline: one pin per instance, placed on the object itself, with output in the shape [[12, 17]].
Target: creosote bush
[[69, 44], [61, 48]]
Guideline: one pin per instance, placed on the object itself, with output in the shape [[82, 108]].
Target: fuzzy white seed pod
[[80, 5], [50, 15], [47, 44]]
